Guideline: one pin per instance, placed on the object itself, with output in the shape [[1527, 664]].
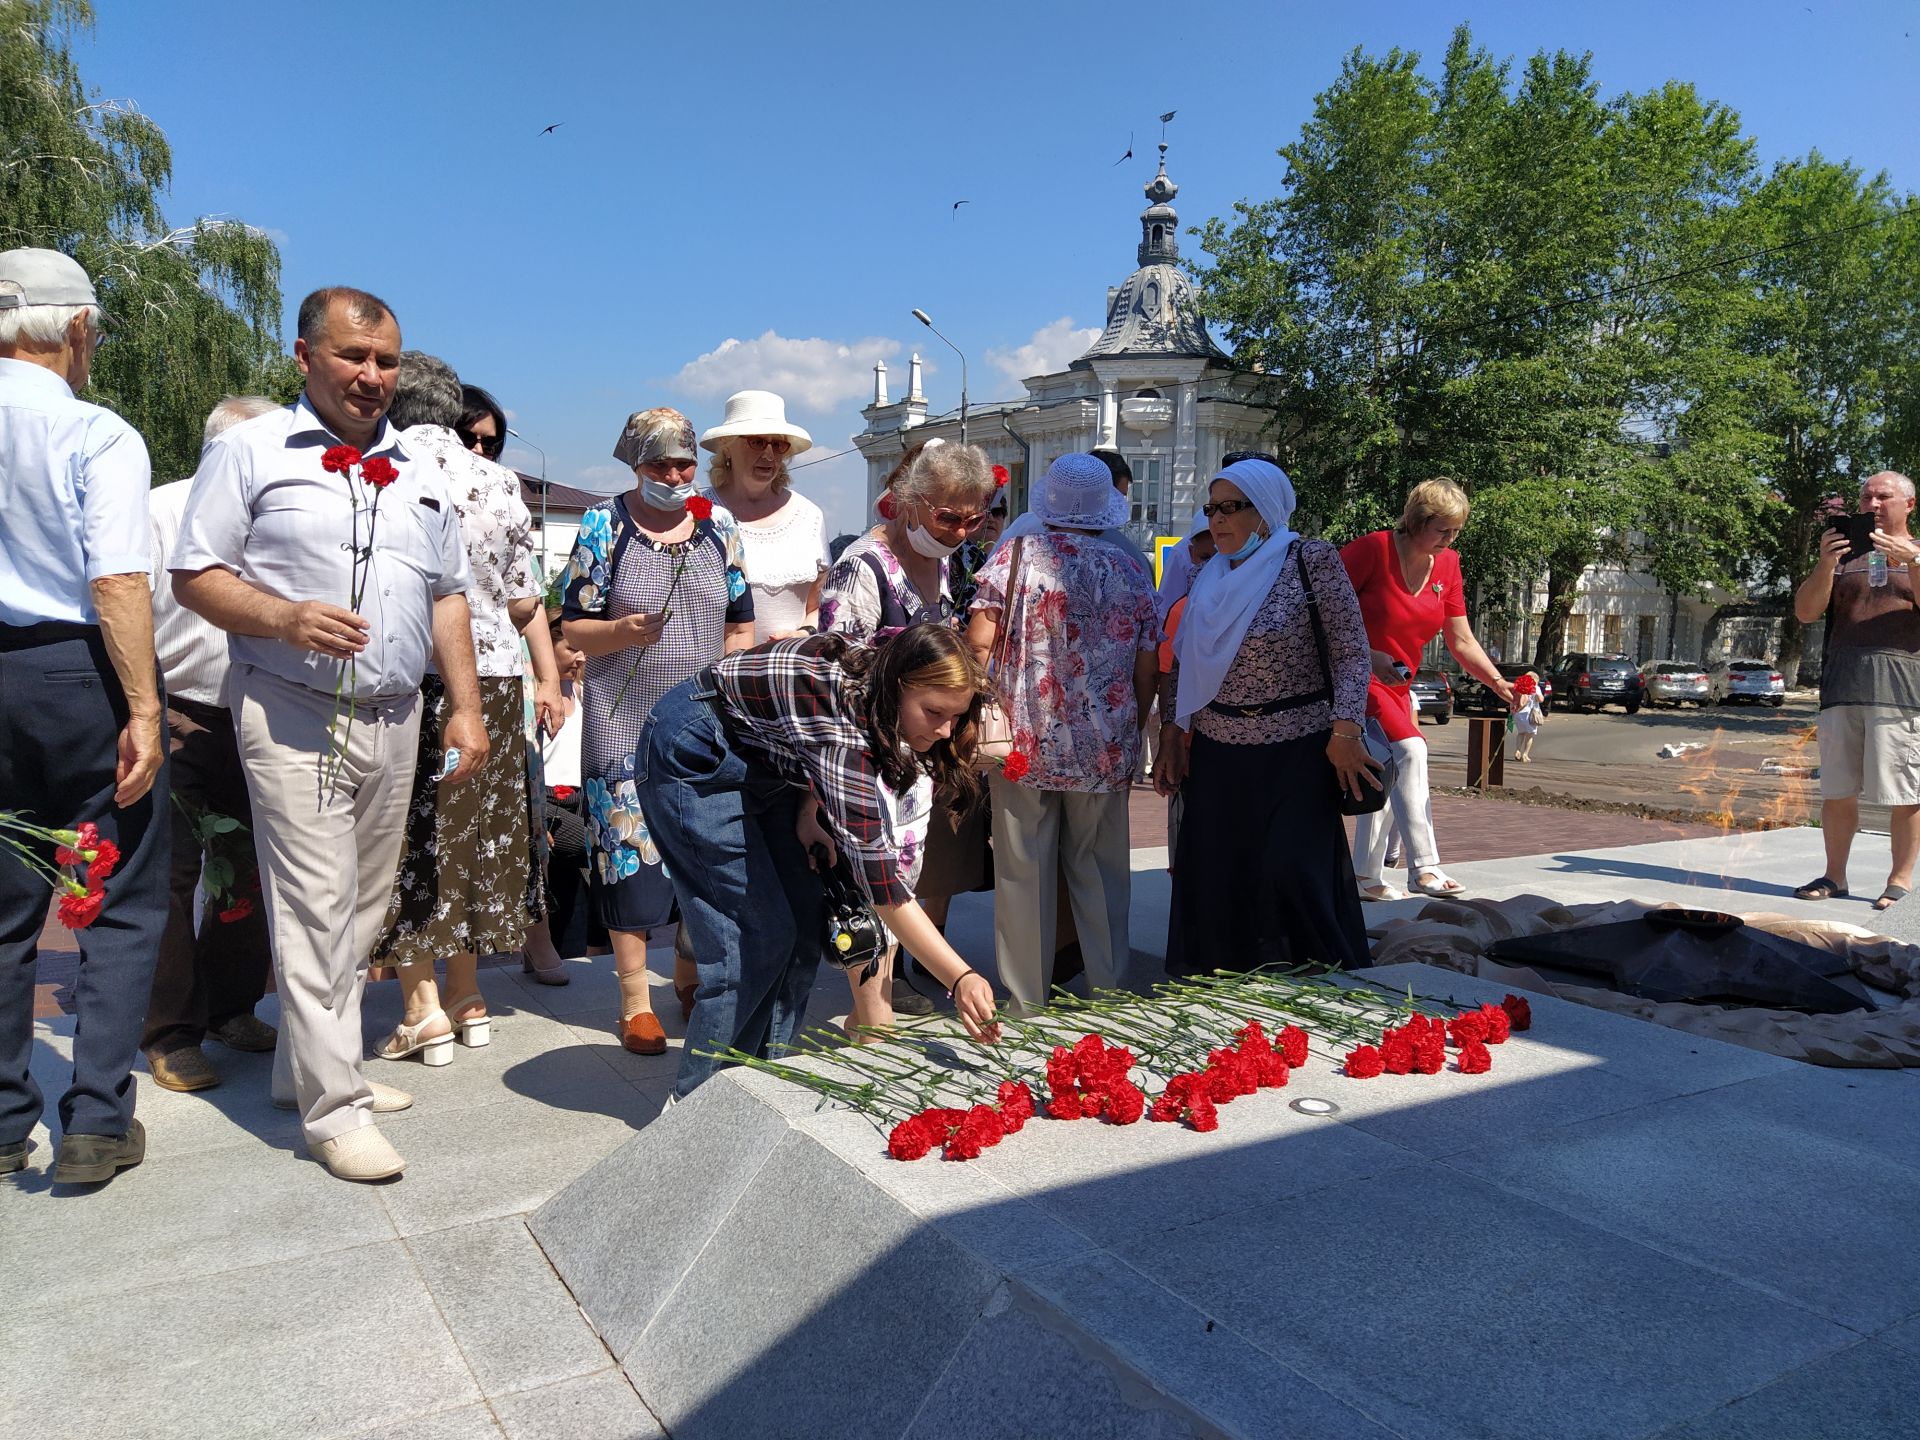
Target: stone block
[[595, 1407], [1866, 1392], [465, 1422], [1871, 1110], [1439, 1306], [512, 1318], [1904, 1336], [1816, 1221]]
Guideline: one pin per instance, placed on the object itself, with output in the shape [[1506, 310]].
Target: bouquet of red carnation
[[82, 861]]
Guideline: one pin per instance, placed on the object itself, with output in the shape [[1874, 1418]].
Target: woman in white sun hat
[[784, 533]]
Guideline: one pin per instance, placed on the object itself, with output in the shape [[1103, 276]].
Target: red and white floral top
[[1083, 612]]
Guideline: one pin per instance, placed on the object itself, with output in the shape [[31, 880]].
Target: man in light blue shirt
[[80, 713], [335, 565]]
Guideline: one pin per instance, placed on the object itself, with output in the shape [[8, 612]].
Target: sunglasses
[[1225, 507], [779, 444], [488, 445], [954, 520]]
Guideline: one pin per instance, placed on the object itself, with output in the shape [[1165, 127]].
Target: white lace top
[[785, 553]]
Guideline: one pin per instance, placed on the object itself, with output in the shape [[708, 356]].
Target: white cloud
[[1051, 347], [815, 376]]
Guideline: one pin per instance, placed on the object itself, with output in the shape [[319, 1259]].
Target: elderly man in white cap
[[80, 718], [1078, 668]]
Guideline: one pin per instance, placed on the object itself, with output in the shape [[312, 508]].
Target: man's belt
[[45, 632]]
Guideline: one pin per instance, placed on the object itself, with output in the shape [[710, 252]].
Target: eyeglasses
[[1225, 507], [779, 444], [488, 445], [999, 513], [954, 520]]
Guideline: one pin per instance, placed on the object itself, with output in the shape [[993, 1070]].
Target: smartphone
[[1858, 528]]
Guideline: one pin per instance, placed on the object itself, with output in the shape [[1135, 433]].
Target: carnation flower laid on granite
[[1177, 1056]]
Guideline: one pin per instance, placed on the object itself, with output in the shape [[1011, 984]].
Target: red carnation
[[106, 856], [1364, 1062], [1274, 1070], [1016, 1100], [1065, 1105], [63, 856], [979, 1130], [910, 1140], [338, 459], [1293, 1045], [1000, 477], [1497, 1023], [1430, 1054], [239, 910], [379, 472], [1125, 1103], [1519, 1012], [700, 508], [1015, 766], [1396, 1053], [79, 911], [1469, 1028], [1201, 1114], [1167, 1107], [89, 835], [1474, 1059]]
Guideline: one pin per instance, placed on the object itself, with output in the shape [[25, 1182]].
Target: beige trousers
[[328, 855], [1037, 836]]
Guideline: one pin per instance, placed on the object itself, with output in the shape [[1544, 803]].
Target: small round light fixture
[[1308, 1105]]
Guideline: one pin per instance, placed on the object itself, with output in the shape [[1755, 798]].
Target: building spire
[[1159, 224]]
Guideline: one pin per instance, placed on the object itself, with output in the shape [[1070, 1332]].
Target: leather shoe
[[642, 1034], [184, 1069], [95, 1159], [386, 1099], [14, 1156], [246, 1032], [359, 1154], [908, 1001]]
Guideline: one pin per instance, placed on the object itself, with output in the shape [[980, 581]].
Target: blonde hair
[[1436, 498], [720, 468]]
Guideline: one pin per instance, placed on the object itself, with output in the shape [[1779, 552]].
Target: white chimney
[[880, 383], [913, 380]]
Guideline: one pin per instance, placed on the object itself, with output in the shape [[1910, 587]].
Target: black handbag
[[1371, 735], [856, 940]]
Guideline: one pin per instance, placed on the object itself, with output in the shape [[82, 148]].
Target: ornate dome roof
[[1154, 311]]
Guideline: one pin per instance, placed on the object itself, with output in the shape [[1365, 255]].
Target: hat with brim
[[1077, 493], [756, 412]]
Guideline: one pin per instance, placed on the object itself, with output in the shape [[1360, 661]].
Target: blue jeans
[[751, 903]]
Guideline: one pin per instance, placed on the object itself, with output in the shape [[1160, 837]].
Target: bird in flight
[[1129, 155], [956, 207], [551, 128]]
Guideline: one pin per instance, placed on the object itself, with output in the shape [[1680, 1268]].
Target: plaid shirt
[[789, 705]]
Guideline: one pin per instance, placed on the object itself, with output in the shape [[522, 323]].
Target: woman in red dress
[[1408, 581]]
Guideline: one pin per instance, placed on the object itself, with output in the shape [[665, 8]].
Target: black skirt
[[1262, 874]]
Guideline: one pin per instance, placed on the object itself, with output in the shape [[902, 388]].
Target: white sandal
[[1382, 890], [407, 1040], [1440, 885], [473, 1030]]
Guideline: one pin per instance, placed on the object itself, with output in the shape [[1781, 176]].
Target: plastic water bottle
[[1876, 569]]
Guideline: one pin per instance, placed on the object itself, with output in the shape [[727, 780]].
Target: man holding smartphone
[[1869, 681]]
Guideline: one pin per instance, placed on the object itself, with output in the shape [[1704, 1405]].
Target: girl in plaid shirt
[[787, 746]]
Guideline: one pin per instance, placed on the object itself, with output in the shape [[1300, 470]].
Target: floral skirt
[[629, 882], [463, 875]]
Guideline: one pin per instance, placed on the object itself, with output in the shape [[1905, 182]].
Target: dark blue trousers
[[61, 713]]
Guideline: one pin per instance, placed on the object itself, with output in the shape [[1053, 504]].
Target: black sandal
[[1821, 889], [1890, 897]]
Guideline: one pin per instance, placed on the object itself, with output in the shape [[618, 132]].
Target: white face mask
[[662, 496], [923, 542]]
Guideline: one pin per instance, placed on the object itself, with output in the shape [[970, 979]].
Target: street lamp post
[[543, 496], [921, 316]]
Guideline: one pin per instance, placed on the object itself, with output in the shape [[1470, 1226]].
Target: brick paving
[[1467, 828]]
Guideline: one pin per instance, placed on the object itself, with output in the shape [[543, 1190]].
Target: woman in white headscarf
[[1260, 734]]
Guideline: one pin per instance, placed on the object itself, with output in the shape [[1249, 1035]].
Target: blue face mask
[[1254, 542]]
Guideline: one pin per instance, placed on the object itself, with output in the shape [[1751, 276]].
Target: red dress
[[1400, 621]]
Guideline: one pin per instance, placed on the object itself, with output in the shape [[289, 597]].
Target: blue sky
[[756, 194]]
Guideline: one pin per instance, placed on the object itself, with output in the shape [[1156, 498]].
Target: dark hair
[[477, 404], [363, 308], [1234, 457], [1116, 464], [924, 654]]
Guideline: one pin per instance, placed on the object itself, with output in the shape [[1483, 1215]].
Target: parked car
[[1436, 696], [1749, 681], [1471, 696], [1586, 680], [1674, 682]]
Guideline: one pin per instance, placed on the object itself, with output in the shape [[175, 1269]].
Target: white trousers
[[1038, 835], [1410, 804], [328, 856]]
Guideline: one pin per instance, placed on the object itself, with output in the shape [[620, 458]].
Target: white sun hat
[[1078, 493], [756, 412]]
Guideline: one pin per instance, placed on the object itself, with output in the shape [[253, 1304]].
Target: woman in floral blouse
[[1080, 668], [462, 885], [1260, 735], [655, 592]]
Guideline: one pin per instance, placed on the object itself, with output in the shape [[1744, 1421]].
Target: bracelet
[[958, 978], [1353, 734]]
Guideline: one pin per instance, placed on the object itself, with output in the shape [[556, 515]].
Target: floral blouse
[[1082, 613], [1278, 659], [868, 591], [497, 532]]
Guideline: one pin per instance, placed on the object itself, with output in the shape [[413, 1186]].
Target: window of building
[[1644, 625], [1611, 636], [1146, 497]]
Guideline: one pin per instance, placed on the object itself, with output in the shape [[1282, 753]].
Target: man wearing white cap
[[80, 715]]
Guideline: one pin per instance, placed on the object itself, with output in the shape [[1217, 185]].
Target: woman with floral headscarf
[[656, 591]]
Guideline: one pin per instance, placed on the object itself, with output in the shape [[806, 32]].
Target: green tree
[[1496, 275], [194, 311]]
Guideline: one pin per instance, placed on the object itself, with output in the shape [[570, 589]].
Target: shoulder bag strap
[[1313, 618], [997, 656]]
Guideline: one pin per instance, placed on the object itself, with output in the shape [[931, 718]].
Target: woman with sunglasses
[[656, 591], [783, 533], [1260, 735], [894, 576], [483, 424]]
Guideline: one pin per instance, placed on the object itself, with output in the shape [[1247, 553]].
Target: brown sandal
[[685, 994]]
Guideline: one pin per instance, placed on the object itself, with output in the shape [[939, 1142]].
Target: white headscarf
[[1223, 600], [1176, 569]]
